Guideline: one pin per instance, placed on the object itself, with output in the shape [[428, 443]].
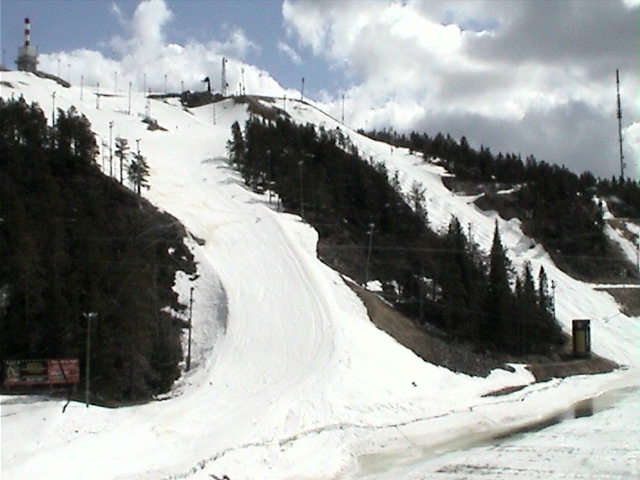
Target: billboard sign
[[41, 372]]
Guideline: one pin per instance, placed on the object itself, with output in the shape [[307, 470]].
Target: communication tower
[[619, 115], [27, 55]]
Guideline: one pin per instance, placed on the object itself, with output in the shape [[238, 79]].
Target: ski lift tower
[[27, 55]]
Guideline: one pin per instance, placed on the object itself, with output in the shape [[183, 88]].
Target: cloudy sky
[[530, 77]]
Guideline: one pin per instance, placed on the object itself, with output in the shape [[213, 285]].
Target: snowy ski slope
[[289, 380]]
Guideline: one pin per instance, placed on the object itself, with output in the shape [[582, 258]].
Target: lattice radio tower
[[619, 115]]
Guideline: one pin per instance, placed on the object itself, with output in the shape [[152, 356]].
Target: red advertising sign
[[41, 372], [64, 371]]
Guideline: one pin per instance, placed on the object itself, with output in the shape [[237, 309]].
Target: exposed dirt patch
[[55, 78], [504, 391], [428, 343], [587, 366], [434, 346], [153, 125], [472, 187], [198, 99], [622, 227], [506, 204], [627, 298], [609, 266], [257, 105]]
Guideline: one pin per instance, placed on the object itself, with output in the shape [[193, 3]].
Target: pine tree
[[138, 171], [451, 276], [418, 202], [529, 313], [545, 301], [518, 344], [122, 152], [536, 327], [552, 333], [236, 145], [498, 302]]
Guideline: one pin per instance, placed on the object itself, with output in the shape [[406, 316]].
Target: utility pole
[[270, 174], [422, 293], [301, 164], [88, 316], [343, 108], [53, 109], [111, 149], [190, 328], [103, 153], [302, 90], [619, 115], [638, 253], [366, 265]]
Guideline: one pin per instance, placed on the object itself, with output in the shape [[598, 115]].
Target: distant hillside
[[558, 208], [74, 241]]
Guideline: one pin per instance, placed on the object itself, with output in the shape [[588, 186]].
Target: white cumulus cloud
[[144, 56], [529, 77], [289, 52]]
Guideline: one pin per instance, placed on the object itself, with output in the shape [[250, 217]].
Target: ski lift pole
[[190, 328], [366, 265]]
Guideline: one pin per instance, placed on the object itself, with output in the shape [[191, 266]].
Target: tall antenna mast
[[619, 114], [223, 82]]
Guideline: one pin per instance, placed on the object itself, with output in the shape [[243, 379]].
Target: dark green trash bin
[[581, 339]]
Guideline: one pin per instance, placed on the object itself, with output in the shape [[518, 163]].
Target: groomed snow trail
[[289, 378]]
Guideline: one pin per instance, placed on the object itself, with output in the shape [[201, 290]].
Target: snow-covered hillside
[[290, 379]]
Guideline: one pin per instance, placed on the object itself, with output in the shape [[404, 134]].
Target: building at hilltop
[[27, 54]]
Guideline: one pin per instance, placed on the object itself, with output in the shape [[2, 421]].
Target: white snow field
[[289, 379], [605, 446]]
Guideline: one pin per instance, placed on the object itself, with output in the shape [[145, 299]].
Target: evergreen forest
[[369, 230], [75, 242]]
